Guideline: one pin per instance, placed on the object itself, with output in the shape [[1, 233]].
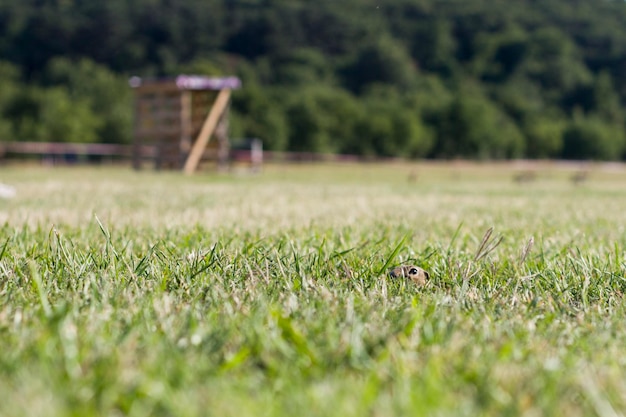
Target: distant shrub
[[473, 127], [51, 115], [258, 114], [592, 138], [390, 129], [544, 136], [106, 95]]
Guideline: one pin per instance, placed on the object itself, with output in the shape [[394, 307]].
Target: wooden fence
[[70, 152], [249, 151]]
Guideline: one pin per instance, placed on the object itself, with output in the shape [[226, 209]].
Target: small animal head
[[414, 273]]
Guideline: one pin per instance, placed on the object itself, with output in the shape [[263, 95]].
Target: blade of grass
[[142, 265], [393, 255], [39, 287], [454, 237], [4, 248], [487, 245]]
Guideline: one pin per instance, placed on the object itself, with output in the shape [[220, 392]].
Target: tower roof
[[188, 82]]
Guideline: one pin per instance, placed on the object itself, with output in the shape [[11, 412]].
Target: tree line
[[414, 78]]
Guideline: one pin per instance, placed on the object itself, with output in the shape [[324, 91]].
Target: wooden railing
[[64, 153], [69, 153], [57, 148]]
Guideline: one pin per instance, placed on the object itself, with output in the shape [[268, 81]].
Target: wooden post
[[256, 154], [207, 130], [223, 145], [159, 101], [185, 126], [138, 139]]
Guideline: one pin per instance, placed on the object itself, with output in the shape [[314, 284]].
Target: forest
[[476, 79]]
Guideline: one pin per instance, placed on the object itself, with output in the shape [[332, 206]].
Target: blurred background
[[435, 79]]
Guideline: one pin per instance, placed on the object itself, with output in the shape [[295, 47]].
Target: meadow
[[155, 294]]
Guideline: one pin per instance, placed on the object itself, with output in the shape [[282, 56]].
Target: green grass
[[155, 294]]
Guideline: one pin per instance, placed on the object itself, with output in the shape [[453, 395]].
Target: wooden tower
[[176, 118]]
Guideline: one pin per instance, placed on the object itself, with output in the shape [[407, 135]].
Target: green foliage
[[593, 138], [554, 62], [473, 126], [343, 111], [51, 115], [523, 62], [302, 67], [544, 135], [389, 127], [383, 62], [201, 66], [9, 87], [434, 46], [308, 125], [499, 55], [257, 114], [5, 131], [336, 114], [104, 93]]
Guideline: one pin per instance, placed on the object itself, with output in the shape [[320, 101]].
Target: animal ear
[[426, 275]]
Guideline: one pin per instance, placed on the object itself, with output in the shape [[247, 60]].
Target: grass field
[[155, 294]]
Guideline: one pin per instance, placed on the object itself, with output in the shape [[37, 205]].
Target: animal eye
[[413, 271]]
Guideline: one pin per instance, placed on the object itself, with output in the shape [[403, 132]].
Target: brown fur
[[525, 176], [579, 177], [414, 273]]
